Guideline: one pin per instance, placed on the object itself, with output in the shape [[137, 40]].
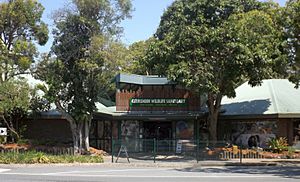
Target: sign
[[178, 147], [158, 102], [123, 148], [3, 131]]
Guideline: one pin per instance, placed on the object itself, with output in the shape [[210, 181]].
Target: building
[[259, 113], [152, 107], [147, 107]]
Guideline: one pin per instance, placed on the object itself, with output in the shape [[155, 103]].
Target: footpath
[[122, 161]]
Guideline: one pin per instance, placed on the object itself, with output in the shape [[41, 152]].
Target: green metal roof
[[142, 79], [274, 96]]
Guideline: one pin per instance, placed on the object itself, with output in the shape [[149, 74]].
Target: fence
[[175, 150]]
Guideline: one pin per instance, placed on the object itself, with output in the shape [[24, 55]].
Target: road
[[91, 173]]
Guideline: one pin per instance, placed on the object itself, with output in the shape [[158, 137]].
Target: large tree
[[293, 37], [211, 46], [74, 75], [20, 28]]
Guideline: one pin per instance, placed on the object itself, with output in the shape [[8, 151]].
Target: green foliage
[[23, 141], [137, 57], [38, 103], [20, 25], [292, 24], [291, 151], [42, 158], [82, 53], [14, 94], [278, 144], [212, 46], [14, 104], [2, 139]]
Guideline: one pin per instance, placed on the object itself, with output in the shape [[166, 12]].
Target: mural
[[184, 129], [129, 133], [253, 134], [129, 129], [296, 142]]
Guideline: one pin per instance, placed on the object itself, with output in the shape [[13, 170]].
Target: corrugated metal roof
[[142, 79], [274, 96]]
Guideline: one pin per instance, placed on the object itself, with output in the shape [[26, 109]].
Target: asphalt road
[[147, 174]]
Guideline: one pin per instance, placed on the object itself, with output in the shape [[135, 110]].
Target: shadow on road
[[284, 172]]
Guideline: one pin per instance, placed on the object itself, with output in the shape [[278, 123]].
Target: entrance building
[[147, 108]]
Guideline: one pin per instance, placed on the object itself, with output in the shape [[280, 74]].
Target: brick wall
[[123, 98], [54, 130]]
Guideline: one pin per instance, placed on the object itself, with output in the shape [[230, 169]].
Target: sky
[[143, 24]]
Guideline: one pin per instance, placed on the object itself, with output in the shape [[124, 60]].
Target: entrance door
[[158, 130], [162, 132]]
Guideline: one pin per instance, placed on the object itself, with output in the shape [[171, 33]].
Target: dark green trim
[[158, 102]]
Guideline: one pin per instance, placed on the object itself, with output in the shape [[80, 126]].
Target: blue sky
[[144, 22]]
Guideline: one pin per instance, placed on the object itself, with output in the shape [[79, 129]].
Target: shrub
[[33, 157], [278, 145], [2, 139]]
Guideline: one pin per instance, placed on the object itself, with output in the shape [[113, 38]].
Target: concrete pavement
[[93, 173], [232, 162]]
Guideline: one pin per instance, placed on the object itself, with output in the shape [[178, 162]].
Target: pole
[[154, 150], [197, 150], [112, 150], [241, 154]]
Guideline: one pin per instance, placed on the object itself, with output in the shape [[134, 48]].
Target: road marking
[[4, 170], [140, 176], [98, 171]]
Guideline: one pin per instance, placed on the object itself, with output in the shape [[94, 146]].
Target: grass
[[32, 157]]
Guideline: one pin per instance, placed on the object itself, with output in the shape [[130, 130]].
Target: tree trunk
[[11, 128], [80, 131], [85, 138], [212, 126], [213, 103], [75, 137], [80, 135]]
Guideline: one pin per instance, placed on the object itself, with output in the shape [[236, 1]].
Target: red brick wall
[[57, 130], [123, 98]]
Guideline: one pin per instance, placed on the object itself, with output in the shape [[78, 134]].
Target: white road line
[[140, 176], [98, 171], [4, 170]]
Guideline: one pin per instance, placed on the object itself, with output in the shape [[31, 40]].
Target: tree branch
[[9, 127], [65, 114]]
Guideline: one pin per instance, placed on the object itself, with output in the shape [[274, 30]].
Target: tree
[[114, 60], [293, 38], [137, 57], [20, 28], [74, 74], [211, 46], [20, 25], [14, 105]]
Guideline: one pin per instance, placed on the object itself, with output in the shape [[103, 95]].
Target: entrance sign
[[158, 102]]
